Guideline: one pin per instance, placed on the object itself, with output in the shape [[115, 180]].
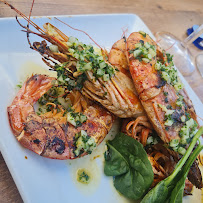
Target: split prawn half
[[49, 134], [159, 97]]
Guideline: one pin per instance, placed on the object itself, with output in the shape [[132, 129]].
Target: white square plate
[[39, 179]]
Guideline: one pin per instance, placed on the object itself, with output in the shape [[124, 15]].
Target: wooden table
[[160, 15]]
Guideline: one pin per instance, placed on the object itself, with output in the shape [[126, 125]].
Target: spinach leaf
[[172, 187], [127, 161], [115, 163], [177, 193], [157, 196]]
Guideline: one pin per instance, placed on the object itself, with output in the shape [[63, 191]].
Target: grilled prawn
[[52, 134], [160, 90], [111, 88]]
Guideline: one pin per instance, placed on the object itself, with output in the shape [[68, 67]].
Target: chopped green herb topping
[[89, 59], [64, 79], [168, 115], [52, 96], [188, 130], [179, 101], [169, 58], [83, 143], [75, 118], [19, 86], [165, 93], [166, 99], [186, 133], [83, 176], [152, 140], [169, 74], [143, 33], [144, 51]]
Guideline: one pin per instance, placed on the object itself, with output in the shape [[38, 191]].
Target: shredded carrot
[[135, 125], [158, 155], [139, 125], [128, 127], [144, 135], [52, 104]]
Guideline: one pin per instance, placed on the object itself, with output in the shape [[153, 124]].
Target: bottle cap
[[199, 41]]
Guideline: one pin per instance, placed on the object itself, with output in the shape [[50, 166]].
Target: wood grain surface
[[173, 16]]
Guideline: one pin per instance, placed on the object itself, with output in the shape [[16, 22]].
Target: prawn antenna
[[170, 46], [23, 16], [27, 29], [31, 10], [124, 34], [28, 39], [79, 31]]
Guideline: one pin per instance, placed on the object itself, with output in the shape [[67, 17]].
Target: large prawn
[[49, 134], [161, 97]]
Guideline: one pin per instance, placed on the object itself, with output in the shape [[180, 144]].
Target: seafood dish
[[67, 117]]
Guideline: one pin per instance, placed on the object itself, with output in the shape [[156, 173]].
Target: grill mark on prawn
[[161, 82], [54, 143], [32, 126], [37, 141], [51, 132]]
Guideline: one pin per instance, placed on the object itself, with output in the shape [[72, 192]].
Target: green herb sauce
[[83, 176]]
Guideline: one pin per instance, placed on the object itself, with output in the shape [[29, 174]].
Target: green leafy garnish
[[83, 143], [90, 59], [19, 86], [172, 187], [169, 74], [64, 79], [83, 176], [127, 161], [144, 51]]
